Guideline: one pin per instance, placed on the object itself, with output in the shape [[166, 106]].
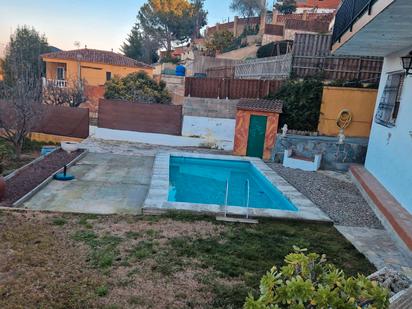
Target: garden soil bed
[[31, 176]]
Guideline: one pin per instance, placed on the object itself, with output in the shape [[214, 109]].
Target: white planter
[[70, 146]]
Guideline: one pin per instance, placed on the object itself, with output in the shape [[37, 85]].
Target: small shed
[[256, 127]]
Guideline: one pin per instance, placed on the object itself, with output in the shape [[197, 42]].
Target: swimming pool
[[222, 182], [198, 182]]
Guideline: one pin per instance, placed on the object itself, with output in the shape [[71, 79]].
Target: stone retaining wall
[[211, 108], [334, 156]]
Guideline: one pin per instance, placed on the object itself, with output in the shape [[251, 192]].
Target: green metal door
[[256, 139]]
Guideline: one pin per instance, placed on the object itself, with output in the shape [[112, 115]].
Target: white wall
[[389, 156], [219, 129]]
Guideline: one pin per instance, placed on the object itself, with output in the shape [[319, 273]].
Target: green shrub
[[302, 100], [137, 87], [168, 58], [307, 281]]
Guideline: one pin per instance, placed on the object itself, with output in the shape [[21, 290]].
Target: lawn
[[169, 261]]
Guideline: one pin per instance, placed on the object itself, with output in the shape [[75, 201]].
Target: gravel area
[[340, 200], [31, 176]]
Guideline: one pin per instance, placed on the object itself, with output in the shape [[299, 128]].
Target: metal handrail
[[227, 195], [247, 198]]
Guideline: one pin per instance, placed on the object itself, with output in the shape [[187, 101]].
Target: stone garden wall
[[334, 156], [212, 108]]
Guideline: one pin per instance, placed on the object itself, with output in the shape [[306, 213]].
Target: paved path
[[378, 247], [105, 183]]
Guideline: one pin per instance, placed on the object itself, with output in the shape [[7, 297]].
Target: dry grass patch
[[172, 261]]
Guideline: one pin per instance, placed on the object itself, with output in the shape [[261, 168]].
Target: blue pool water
[[204, 181]]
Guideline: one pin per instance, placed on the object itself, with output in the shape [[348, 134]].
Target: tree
[[248, 8], [21, 92], [220, 41], [286, 6], [20, 108], [199, 17], [140, 46], [71, 96], [169, 21], [28, 44], [137, 87]]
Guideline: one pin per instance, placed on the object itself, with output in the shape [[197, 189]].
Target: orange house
[[92, 66]]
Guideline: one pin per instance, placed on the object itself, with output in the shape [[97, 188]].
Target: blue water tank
[[180, 70]]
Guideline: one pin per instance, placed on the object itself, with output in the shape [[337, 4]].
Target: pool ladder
[[247, 197]]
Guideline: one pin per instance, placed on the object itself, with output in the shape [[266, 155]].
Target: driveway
[[105, 183]]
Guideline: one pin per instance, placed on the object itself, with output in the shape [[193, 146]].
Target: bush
[[355, 83], [137, 87], [168, 58], [307, 281], [302, 99]]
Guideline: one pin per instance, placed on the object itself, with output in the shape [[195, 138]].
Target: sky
[[99, 24]]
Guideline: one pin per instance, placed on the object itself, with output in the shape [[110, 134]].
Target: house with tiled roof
[[93, 67], [320, 6]]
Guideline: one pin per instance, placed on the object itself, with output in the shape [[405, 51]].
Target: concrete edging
[[30, 194], [388, 227], [15, 172]]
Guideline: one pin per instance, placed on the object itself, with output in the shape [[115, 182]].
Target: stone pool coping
[[157, 196]]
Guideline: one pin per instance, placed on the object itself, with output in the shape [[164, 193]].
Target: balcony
[[349, 12], [372, 27], [59, 83]]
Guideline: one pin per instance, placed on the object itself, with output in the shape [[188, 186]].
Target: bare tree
[[72, 96], [20, 107]]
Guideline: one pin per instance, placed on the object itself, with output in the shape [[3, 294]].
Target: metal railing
[[247, 198], [226, 195], [348, 13], [60, 83]]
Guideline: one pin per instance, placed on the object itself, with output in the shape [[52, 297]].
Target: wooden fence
[[221, 72], [311, 56], [140, 117], [230, 88], [346, 68], [64, 121], [54, 120]]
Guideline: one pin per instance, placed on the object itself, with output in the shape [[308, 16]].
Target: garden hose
[[344, 119]]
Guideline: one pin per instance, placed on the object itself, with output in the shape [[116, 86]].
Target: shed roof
[[97, 56], [261, 105]]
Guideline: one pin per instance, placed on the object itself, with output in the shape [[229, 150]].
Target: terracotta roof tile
[[324, 4], [261, 105], [97, 56]]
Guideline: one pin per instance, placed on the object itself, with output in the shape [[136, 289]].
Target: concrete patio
[[105, 184]]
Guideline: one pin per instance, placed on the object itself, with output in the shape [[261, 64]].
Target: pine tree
[[140, 47]]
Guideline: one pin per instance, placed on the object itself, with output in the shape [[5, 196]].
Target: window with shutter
[[388, 108]]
